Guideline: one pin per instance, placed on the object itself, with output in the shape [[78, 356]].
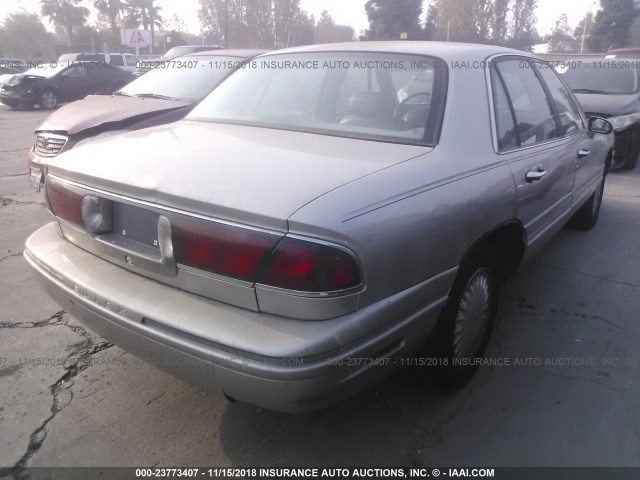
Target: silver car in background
[[323, 216]]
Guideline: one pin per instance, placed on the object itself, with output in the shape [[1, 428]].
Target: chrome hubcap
[[49, 100], [473, 315]]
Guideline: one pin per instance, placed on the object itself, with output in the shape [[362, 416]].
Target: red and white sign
[[135, 38]]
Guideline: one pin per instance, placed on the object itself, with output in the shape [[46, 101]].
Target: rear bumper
[[279, 368]]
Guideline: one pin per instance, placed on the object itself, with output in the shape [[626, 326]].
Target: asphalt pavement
[[562, 388]]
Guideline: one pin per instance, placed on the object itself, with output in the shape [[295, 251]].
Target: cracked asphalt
[[562, 390]]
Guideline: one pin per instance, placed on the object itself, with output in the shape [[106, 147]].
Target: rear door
[[541, 156], [74, 83], [131, 63], [588, 153]]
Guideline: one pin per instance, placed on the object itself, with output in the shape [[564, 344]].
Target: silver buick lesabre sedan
[[323, 216]]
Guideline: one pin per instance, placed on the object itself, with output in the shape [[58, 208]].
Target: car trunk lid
[[249, 175]]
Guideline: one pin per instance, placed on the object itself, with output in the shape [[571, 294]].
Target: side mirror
[[600, 125]]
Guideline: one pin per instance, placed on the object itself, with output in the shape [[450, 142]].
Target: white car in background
[[125, 61]]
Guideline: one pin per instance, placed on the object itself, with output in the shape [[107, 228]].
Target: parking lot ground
[[563, 389]]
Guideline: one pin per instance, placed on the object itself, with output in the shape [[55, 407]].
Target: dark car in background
[[10, 67], [49, 85], [8, 71], [163, 95], [610, 89], [629, 52]]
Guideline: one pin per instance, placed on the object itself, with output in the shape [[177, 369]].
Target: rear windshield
[[603, 76], [46, 70], [388, 97]]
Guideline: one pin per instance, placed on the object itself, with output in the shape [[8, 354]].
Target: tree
[[111, 9], [291, 25], [612, 25], [482, 11], [302, 30], [143, 12], [175, 24], [23, 36], [634, 32], [65, 14], [326, 31], [582, 32], [256, 23], [499, 21], [259, 24], [430, 22], [522, 23], [455, 21], [561, 39], [389, 18]]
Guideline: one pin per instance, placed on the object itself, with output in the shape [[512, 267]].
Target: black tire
[[48, 99], [587, 217], [454, 355], [631, 163]]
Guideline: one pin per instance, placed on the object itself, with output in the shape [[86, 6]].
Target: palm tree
[[66, 14], [142, 12], [111, 9]]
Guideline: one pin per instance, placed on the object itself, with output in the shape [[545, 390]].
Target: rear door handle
[[583, 153], [535, 175]]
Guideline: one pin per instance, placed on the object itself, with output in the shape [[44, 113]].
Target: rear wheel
[[460, 338], [587, 217], [631, 163], [48, 99]]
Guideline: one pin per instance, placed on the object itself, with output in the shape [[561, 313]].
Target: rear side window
[[91, 57], [505, 124], [535, 122], [116, 60], [75, 70], [568, 112]]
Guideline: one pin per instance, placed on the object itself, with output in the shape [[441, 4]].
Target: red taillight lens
[[310, 267], [63, 202], [222, 249]]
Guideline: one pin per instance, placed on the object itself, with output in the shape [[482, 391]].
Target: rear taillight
[[221, 249], [245, 254], [63, 202], [310, 267]]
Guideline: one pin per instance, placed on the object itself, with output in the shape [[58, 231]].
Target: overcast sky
[[346, 12]]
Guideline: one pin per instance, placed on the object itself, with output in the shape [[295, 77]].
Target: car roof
[[445, 50], [628, 49], [238, 52], [215, 47]]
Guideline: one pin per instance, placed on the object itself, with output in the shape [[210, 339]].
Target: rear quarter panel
[[416, 220]]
